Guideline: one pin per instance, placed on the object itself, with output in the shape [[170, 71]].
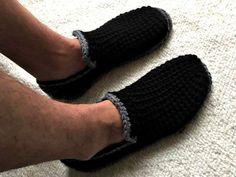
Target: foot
[[158, 104], [121, 39]]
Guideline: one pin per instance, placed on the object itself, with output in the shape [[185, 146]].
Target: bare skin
[[42, 52], [34, 128]]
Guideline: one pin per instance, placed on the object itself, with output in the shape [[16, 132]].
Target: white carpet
[[207, 147]]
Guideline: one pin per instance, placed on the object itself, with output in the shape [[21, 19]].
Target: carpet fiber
[[207, 146]]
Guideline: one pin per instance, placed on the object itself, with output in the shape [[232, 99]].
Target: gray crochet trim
[[209, 75], [85, 49], [124, 116], [167, 16], [126, 126]]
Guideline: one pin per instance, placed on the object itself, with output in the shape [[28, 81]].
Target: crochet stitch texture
[[158, 104], [121, 39]]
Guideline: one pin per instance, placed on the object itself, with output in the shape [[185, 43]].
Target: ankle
[[91, 128], [64, 60], [112, 122], [108, 129], [105, 125]]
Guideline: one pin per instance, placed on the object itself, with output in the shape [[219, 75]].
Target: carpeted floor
[[207, 146]]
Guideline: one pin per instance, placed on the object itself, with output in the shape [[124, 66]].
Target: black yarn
[[119, 40], [159, 104], [127, 36], [166, 98]]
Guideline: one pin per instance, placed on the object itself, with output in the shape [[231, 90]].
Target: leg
[[34, 128], [32, 45]]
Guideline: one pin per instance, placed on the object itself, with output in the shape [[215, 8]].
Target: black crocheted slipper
[[121, 39], [159, 104]]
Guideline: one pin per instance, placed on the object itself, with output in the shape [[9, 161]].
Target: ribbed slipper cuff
[[85, 49], [124, 117]]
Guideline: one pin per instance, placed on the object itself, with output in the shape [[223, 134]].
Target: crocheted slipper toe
[[159, 104], [121, 39]]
